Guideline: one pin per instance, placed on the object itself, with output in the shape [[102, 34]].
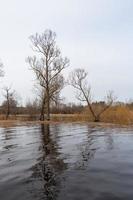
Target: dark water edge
[[66, 161]]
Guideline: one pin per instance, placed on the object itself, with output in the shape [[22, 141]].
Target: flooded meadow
[[66, 161]]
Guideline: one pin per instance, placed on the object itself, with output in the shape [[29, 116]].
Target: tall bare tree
[[78, 79], [47, 64]]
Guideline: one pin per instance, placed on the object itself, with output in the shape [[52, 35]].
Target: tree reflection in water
[[8, 134], [87, 149], [49, 167]]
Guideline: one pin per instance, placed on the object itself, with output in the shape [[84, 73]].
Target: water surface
[[66, 162]]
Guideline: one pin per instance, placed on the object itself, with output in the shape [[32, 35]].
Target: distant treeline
[[121, 113]]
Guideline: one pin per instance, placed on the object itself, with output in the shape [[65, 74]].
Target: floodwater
[[66, 162]]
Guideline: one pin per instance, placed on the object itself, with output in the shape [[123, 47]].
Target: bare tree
[[10, 101], [78, 80], [47, 64], [55, 88]]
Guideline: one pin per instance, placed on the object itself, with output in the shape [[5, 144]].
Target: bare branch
[[110, 98], [47, 64], [77, 79]]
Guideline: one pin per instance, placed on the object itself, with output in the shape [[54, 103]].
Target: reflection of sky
[[19, 140], [56, 159], [94, 34], [69, 139], [80, 143]]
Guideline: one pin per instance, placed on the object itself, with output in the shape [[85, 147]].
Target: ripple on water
[[66, 161]]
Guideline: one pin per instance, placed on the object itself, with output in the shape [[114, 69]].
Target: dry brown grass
[[117, 115]]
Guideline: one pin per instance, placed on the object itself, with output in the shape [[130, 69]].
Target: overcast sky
[[94, 34]]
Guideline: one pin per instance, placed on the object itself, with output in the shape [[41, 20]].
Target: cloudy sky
[[94, 34]]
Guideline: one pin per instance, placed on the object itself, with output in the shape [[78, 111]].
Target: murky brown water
[[66, 162]]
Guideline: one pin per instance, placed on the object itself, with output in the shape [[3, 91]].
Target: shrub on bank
[[118, 114]]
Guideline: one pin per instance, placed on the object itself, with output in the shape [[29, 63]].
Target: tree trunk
[[42, 115], [8, 109], [97, 119], [48, 109], [42, 109], [47, 93]]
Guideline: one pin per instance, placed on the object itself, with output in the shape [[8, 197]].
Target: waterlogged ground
[[66, 162]]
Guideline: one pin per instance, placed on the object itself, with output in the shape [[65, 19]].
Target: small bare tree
[[47, 64], [78, 80], [10, 101]]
